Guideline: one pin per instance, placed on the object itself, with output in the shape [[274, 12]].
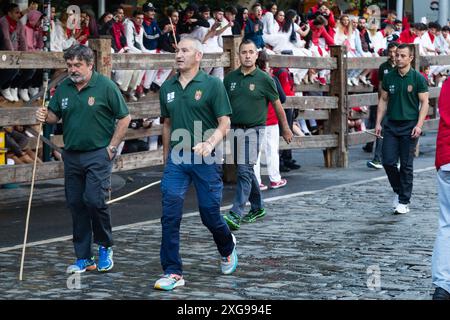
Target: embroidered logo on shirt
[[392, 88], [251, 86], [232, 86], [91, 101], [64, 103], [410, 88], [198, 95], [170, 97]]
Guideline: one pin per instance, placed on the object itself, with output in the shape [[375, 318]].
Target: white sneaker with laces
[[355, 81], [401, 209], [33, 92], [349, 82]]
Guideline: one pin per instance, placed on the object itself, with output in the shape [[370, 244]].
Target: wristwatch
[[113, 149]]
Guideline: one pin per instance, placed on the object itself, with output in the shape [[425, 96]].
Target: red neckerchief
[[148, 21], [12, 24], [137, 27], [280, 24], [383, 33], [432, 36]]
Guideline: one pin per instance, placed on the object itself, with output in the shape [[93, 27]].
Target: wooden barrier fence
[[332, 109]]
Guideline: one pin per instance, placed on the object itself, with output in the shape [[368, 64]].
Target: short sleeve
[[220, 102], [384, 85], [54, 105], [117, 102], [422, 86], [162, 104]]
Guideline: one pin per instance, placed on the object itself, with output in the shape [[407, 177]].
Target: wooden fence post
[[102, 50], [231, 45], [337, 123]]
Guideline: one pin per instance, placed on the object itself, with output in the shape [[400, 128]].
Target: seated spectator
[[254, 27], [169, 26], [16, 143]]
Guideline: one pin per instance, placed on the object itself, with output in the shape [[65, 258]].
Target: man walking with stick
[[196, 114], [404, 99], [89, 105]]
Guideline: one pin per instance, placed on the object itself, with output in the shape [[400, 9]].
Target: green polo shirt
[[384, 69], [249, 96], [194, 109], [89, 116], [403, 93]]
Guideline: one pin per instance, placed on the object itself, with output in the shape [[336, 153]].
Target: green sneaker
[[253, 215], [233, 220]]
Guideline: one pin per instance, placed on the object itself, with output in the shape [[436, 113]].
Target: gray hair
[[81, 52], [195, 43]]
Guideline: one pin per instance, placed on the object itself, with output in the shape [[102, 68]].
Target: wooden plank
[[360, 137], [278, 60], [432, 124], [367, 99], [31, 60], [314, 114], [315, 87], [435, 60], [311, 142], [140, 61], [102, 53], [365, 63], [17, 116], [53, 170], [309, 102]]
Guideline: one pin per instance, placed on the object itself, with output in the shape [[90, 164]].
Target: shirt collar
[[406, 74], [248, 74], [92, 82], [200, 76]]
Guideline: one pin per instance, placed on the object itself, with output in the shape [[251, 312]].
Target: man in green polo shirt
[[404, 99], [250, 90], [89, 105], [384, 69], [196, 112]]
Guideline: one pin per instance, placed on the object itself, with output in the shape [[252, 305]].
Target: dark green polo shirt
[[201, 102], [89, 116], [384, 69], [403, 93], [250, 96]]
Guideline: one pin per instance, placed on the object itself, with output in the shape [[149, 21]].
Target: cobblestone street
[[326, 244]]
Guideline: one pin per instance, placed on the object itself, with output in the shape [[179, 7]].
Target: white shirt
[[134, 38], [425, 43]]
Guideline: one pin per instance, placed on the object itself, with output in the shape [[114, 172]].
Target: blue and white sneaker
[[82, 265], [169, 282], [229, 264], [105, 259]]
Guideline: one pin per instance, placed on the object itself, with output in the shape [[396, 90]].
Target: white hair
[[195, 43]]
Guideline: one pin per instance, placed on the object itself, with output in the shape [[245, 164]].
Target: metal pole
[[101, 7], [443, 12], [399, 9]]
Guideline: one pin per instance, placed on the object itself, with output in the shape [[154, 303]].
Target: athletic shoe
[[401, 209], [395, 201], [441, 294], [169, 282], [374, 164], [23, 94], [82, 265], [322, 81], [14, 93], [105, 259], [263, 187], [253, 215], [228, 264], [355, 81], [6, 93], [233, 220], [278, 184]]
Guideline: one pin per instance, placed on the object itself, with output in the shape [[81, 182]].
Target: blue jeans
[[245, 156], [174, 185], [440, 264]]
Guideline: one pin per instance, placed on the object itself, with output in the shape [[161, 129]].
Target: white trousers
[[269, 144]]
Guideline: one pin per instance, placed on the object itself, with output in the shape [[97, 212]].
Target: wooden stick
[[134, 192], [32, 188], [173, 32], [373, 134]]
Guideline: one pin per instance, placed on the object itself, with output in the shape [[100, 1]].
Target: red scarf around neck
[[137, 27], [147, 21], [12, 24]]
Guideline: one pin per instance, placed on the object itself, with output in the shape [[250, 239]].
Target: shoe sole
[[278, 187], [179, 283], [254, 218], [90, 268], [107, 269], [231, 224], [232, 269]]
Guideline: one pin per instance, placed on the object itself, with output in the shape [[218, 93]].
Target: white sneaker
[[355, 81], [6, 93], [349, 82], [401, 209], [14, 93], [33, 92], [23, 94], [395, 201]]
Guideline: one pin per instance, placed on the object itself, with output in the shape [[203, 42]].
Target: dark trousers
[[286, 155], [208, 184], [87, 182], [6, 75], [399, 144], [23, 79]]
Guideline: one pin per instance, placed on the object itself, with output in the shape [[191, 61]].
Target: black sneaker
[[440, 294], [367, 148], [284, 168], [253, 215], [292, 165]]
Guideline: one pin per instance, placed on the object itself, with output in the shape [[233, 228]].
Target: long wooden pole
[[32, 188], [173, 32]]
